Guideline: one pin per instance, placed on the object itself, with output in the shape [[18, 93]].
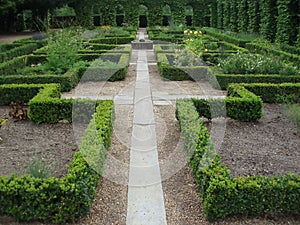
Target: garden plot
[[26, 145], [268, 147]]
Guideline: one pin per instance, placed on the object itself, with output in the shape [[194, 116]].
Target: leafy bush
[[223, 195], [276, 93], [255, 64], [240, 104], [59, 200], [62, 50], [18, 51]]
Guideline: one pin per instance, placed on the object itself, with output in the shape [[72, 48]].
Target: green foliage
[[194, 42], [18, 51], [255, 64], [38, 169], [62, 50], [283, 22], [109, 67], [167, 71], [292, 112], [11, 66], [276, 93], [268, 18], [223, 80], [42, 199], [242, 104], [223, 195], [263, 47], [253, 16], [242, 16], [185, 57], [18, 92], [113, 40], [64, 11], [230, 37]]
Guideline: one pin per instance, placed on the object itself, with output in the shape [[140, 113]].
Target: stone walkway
[[145, 195], [145, 203]]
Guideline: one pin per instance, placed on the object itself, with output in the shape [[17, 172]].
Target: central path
[[145, 194]]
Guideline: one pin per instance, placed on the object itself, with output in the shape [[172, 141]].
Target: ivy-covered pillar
[[286, 24], [154, 15], [213, 15], [108, 13], [178, 12], [242, 16], [84, 13], [226, 14], [254, 16], [220, 14], [268, 11], [132, 13], [199, 13], [233, 15]]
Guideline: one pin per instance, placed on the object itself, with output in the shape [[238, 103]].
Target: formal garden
[[224, 83]]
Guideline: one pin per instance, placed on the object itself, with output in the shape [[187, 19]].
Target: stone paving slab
[[145, 194]]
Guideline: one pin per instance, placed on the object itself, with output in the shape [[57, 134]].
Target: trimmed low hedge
[[223, 195], [275, 93], [259, 48], [240, 104], [94, 48], [105, 73], [67, 199], [178, 73], [8, 46], [113, 40], [11, 66], [68, 81], [224, 37], [225, 79], [18, 51], [17, 92]]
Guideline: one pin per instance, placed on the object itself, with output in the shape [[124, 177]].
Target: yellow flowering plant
[[193, 41]]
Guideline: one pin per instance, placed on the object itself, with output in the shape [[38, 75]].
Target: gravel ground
[[248, 143], [182, 201], [268, 147], [24, 141]]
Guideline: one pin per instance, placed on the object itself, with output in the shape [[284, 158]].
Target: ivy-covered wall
[[201, 10], [275, 20]]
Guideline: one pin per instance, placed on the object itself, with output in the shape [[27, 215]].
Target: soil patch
[[24, 141], [182, 201], [268, 147]]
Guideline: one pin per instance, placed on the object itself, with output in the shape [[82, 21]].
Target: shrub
[[62, 50], [223, 195], [255, 64], [59, 200]]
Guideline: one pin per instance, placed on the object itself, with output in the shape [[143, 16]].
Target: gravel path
[[267, 147]]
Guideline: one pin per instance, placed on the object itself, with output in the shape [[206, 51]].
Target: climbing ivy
[[233, 15], [268, 19], [284, 20], [242, 7], [254, 17], [220, 14]]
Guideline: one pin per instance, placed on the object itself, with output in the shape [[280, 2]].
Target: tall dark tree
[[8, 11]]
